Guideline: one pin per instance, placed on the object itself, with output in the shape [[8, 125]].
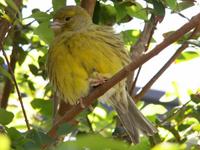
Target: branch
[[8, 84], [5, 28], [89, 5], [167, 64], [140, 47], [99, 91]]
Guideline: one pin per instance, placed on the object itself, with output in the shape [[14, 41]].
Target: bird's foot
[[97, 81]]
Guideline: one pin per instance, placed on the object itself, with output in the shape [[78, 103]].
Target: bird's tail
[[131, 118]]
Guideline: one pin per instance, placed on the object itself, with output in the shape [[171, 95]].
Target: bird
[[84, 55]]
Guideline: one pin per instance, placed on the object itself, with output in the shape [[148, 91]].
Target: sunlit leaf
[[130, 36], [137, 11], [169, 146], [172, 4], [153, 109], [186, 56], [5, 116], [98, 143], [5, 143]]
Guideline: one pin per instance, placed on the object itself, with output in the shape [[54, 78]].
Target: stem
[[17, 89]]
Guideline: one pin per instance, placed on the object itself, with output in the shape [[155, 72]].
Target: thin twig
[[17, 89], [140, 47], [167, 64], [125, 72]]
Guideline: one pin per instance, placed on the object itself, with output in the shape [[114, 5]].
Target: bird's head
[[70, 18]]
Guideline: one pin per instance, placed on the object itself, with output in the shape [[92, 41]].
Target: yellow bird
[[84, 55]]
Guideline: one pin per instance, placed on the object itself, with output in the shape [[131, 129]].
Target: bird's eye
[[67, 18]]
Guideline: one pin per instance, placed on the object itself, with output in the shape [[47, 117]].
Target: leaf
[[153, 109], [4, 72], [38, 139], [159, 8], [195, 98], [172, 4], [44, 106], [33, 69], [5, 143], [137, 11], [22, 55], [57, 4], [169, 146], [121, 12], [184, 5], [44, 32], [6, 116], [130, 36], [186, 56], [107, 15], [98, 143], [40, 16], [65, 128]]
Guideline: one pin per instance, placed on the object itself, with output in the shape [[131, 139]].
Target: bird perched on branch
[[82, 56]]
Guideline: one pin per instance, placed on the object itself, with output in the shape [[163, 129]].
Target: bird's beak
[[56, 25]]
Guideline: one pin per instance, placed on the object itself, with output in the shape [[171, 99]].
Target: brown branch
[[89, 5], [5, 28], [124, 73], [17, 89], [167, 64], [8, 84], [140, 47]]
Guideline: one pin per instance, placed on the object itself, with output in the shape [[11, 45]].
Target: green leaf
[[195, 98], [93, 142], [33, 69], [159, 8], [44, 106], [65, 128], [172, 4], [40, 16], [153, 109], [169, 146], [121, 12], [44, 32], [57, 4], [38, 139], [130, 36], [137, 11], [184, 5], [186, 56], [107, 15], [5, 143], [5, 116], [4, 72]]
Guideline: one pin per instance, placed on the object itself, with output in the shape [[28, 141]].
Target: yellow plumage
[[82, 52]]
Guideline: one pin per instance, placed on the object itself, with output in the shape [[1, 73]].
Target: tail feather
[[131, 118]]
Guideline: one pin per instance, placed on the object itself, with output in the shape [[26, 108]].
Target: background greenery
[[27, 45]]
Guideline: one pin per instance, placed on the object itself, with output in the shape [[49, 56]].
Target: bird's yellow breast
[[71, 62]]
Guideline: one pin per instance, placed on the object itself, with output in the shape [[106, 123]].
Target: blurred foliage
[[179, 128]]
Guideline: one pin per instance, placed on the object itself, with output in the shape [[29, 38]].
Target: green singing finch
[[82, 56]]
